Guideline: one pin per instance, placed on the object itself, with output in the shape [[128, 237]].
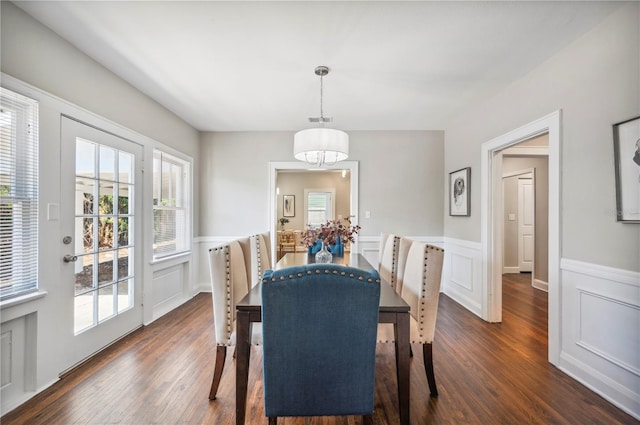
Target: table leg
[[242, 364], [402, 346]]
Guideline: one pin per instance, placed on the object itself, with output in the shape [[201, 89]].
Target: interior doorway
[[347, 168], [525, 186], [492, 207]]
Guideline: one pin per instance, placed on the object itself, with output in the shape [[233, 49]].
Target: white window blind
[[18, 194], [319, 209], [171, 208]]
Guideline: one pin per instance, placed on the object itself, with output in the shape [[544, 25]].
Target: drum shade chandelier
[[321, 146]]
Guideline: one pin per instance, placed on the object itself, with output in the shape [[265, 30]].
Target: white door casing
[[276, 166], [491, 222]]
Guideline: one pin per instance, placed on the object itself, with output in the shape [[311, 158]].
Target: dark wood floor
[[486, 373]]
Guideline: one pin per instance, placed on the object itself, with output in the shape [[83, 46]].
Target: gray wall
[[595, 82], [401, 180], [38, 56], [540, 165]]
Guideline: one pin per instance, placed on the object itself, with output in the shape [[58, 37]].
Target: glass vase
[[324, 256]]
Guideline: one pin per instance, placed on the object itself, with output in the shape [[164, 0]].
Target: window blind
[[170, 205], [18, 194], [318, 205]]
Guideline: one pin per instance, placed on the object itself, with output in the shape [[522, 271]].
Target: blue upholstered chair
[[319, 326], [335, 249]]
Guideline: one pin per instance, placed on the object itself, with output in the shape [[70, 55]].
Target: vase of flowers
[[283, 221], [328, 234]]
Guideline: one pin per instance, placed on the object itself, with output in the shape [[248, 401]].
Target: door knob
[[70, 258]]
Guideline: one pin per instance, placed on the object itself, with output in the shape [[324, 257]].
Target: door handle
[[70, 258]]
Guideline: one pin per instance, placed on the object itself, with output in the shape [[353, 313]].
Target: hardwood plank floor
[[486, 374]]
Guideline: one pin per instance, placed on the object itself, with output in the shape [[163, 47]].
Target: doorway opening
[[285, 181], [525, 189], [492, 211]]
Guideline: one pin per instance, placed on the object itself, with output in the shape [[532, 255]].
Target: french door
[[101, 188]]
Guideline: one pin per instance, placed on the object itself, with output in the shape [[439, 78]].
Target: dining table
[[393, 309]]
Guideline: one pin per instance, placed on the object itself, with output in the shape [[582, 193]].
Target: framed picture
[[459, 191], [626, 149], [289, 206]]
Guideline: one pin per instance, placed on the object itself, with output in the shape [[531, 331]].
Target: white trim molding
[[491, 205], [462, 273], [600, 338]]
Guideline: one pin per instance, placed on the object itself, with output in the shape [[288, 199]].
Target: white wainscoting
[[601, 331], [201, 248], [369, 246], [462, 273], [17, 360], [171, 284]]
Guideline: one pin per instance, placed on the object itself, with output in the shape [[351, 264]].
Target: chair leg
[[221, 355], [367, 420], [427, 355], [273, 421]]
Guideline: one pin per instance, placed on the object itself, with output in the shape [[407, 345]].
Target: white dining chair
[[260, 256], [387, 258], [421, 290], [230, 282]]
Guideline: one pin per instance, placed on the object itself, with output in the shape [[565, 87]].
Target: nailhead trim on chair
[[394, 261], [228, 287], [318, 271], [258, 254]]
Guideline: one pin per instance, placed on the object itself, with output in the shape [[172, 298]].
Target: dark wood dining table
[[393, 309]]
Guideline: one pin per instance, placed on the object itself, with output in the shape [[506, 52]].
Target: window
[[171, 209], [18, 194], [319, 206]]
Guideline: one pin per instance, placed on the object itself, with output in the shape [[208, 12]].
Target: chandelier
[[321, 145]]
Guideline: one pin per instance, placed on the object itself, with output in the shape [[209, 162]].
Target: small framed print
[[288, 205], [459, 192], [626, 150]]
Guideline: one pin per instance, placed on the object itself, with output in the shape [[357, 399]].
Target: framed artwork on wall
[[626, 150], [459, 192], [288, 205]]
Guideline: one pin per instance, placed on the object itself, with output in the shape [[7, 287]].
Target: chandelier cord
[[321, 95]]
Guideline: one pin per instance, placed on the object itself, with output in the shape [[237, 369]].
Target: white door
[[526, 221], [101, 188]]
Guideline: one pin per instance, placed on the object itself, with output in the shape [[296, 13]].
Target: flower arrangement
[[283, 221], [330, 232]]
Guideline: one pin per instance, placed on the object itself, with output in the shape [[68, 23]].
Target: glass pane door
[[105, 241]]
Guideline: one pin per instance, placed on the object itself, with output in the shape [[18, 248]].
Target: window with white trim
[[18, 194], [171, 205], [319, 207]]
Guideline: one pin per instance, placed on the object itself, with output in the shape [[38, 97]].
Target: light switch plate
[[53, 212]]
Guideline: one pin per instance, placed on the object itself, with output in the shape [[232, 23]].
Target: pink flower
[[330, 232]]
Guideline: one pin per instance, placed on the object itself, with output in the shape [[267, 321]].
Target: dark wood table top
[[390, 301]]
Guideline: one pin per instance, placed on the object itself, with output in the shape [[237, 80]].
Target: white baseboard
[[506, 270], [541, 285]]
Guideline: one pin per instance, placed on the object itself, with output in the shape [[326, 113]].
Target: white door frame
[[491, 222], [275, 166]]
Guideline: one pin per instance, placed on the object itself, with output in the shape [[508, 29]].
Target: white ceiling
[[249, 66]]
